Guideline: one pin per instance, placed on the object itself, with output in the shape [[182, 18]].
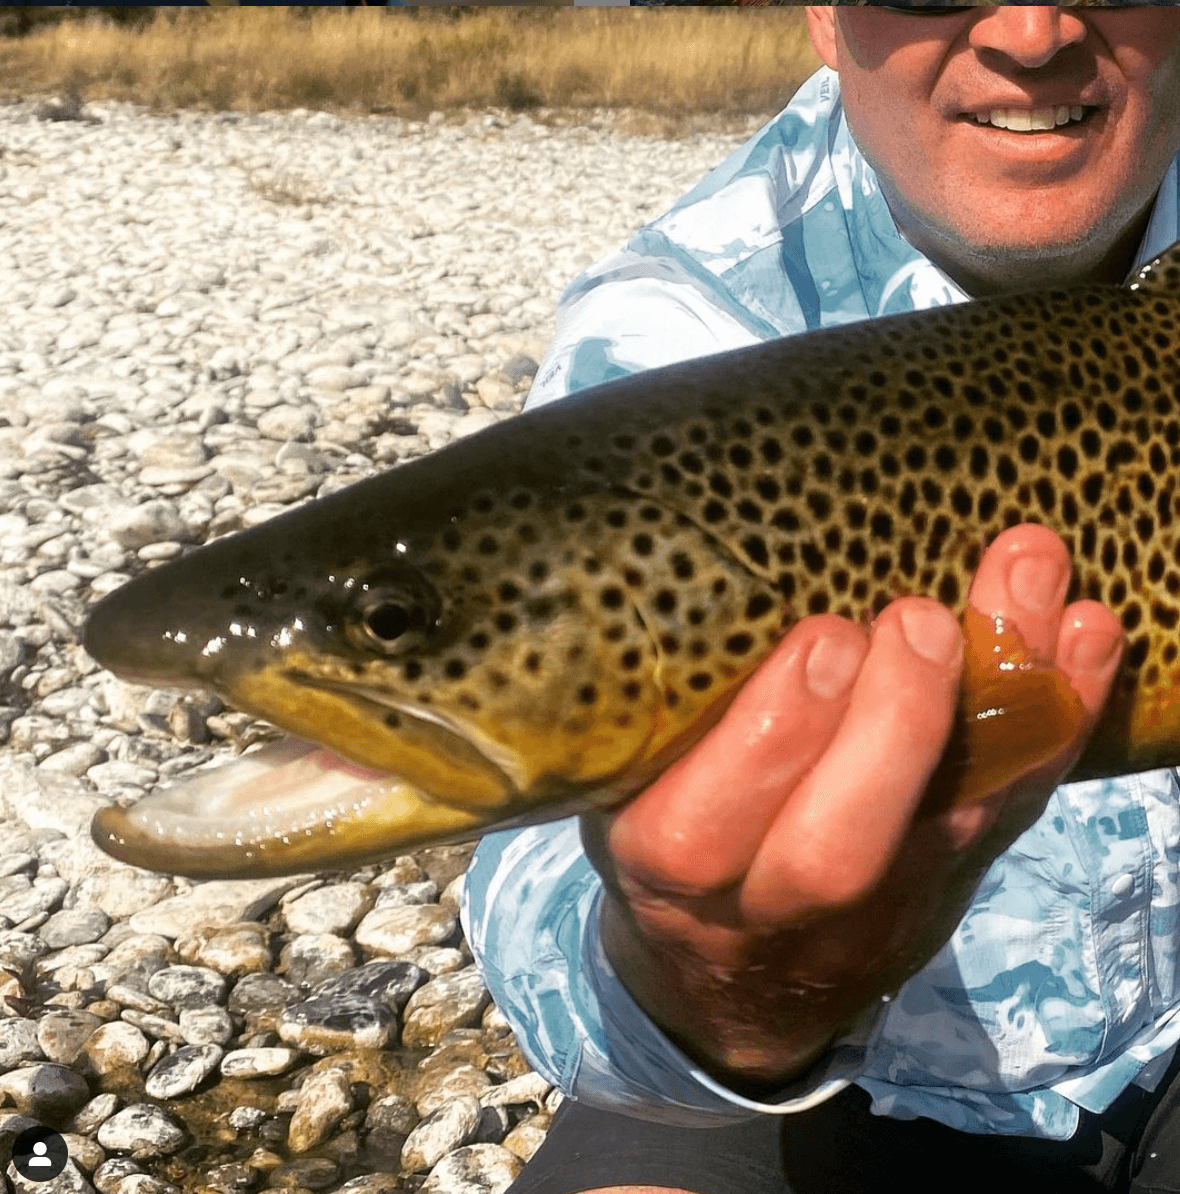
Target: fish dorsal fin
[[1160, 276]]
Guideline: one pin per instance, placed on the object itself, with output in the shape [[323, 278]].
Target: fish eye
[[387, 621], [390, 603]]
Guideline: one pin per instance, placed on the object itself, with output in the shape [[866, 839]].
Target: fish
[[542, 617]]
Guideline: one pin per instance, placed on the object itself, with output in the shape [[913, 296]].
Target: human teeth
[[1026, 120]]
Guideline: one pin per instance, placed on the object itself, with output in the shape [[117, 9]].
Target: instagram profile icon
[[39, 1154]]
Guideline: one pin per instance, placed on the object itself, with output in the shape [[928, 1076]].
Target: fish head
[[473, 647]]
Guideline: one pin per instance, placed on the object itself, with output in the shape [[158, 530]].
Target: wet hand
[[799, 863]]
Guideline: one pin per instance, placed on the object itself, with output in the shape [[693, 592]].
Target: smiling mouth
[[1061, 117]]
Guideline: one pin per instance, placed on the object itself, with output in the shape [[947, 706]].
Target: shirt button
[[1123, 885]]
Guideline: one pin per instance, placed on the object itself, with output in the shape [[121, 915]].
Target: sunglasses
[[928, 10], [950, 10]]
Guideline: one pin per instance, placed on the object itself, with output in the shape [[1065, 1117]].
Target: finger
[[1089, 649], [698, 827], [1023, 577], [1022, 715], [844, 823]]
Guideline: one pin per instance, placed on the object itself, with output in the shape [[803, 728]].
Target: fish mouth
[[376, 778], [453, 763], [447, 762], [287, 808]]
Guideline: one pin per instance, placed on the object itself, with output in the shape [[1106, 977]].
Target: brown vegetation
[[677, 63]]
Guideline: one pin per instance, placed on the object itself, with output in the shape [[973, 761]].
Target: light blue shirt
[[1061, 985]]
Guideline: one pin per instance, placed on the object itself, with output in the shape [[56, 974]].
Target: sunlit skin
[[783, 876], [1000, 210]]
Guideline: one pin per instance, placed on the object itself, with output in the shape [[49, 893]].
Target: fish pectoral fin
[[1017, 714]]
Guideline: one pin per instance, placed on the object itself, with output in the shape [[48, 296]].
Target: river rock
[[115, 1047], [474, 1169], [19, 1042], [232, 950], [205, 1025], [449, 1001], [258, 1062], [399, 929], [187, 986], [45, 1091], [443, 1131], [75, 926], [212, 904], [62, 1034], [180, 1073], [334, 909], [312, 958], [324, 1100], [388, 981], [328, 1023], [143, 1131]]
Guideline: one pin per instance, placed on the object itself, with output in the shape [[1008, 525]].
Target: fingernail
[[1092, 651], [931, 632], [832, 666], [1033, 582]]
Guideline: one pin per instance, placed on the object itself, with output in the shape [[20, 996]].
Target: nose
[[1029, 35]]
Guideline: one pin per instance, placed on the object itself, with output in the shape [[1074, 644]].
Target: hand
[[791, 869]]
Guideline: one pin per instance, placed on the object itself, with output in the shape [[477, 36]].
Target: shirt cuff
[[635, 1069]]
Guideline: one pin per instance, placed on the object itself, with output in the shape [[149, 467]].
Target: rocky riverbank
[[209, 318]]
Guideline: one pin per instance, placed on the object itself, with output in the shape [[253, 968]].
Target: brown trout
[[547, 614]]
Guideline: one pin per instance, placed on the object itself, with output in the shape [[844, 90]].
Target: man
[[794, 973]]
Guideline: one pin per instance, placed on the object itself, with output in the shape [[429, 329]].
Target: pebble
[[19, 1042], [261, 1062], [46, 1091], [324, 1100], [205, 1025], [110, 1175], [527, 1136], [74, 926], [97, 1111], [232, 950], [180, 1073], [324, 1025], [142, 1130], [60, 1035], [178, 362], [187, 986], [441, 1132], [474, 1169], [210, 905], [461, 1080], [446, 1002], [115, 1047], [335, 909], [388, 1124], [399, 929], [70, 1180], [313, 957]]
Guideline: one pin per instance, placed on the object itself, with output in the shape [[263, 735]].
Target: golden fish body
[[548, 613]]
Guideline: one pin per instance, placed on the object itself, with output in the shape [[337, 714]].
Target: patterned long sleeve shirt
[[1061, 984]]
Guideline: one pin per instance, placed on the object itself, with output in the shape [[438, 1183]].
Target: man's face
[[991, 204]]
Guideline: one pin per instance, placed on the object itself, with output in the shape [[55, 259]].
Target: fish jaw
[[284, 809]]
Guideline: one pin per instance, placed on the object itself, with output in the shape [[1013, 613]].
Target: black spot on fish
[[757, 606]]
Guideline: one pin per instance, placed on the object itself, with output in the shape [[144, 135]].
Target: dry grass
[[676, 63]]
